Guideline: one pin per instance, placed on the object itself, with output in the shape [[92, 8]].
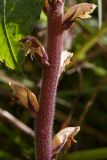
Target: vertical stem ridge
[[45, 118]]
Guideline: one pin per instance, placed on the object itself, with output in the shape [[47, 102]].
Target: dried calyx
[[25, 97], [82, 11], [63, 139], [33, 47]]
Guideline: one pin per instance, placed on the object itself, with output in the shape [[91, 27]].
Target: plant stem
[[45, 118]]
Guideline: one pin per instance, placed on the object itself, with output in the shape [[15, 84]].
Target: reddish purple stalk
[[44, 122]]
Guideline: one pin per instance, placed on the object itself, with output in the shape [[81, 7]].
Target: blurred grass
[[81, 53], [94, 154]]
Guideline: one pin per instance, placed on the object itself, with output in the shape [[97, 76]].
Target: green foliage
[[94, 154], [17, 19], [81, 53]]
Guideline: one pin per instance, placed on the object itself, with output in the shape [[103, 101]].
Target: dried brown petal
[[25, 97], [82, 10]]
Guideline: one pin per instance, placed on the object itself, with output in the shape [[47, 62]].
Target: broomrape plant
[[53, 61]]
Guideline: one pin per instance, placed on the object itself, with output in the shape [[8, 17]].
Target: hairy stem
[[45, 118]]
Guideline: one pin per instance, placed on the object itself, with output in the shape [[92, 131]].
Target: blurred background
[[82, 92]]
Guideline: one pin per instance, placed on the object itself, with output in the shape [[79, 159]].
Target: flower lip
[[94, 6], [86, 14], [76, 130]]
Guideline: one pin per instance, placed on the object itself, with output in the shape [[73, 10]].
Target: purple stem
[[44, 122]]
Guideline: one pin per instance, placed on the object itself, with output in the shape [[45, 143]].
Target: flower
[[61, 139], [82, 10], [25, 97]]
